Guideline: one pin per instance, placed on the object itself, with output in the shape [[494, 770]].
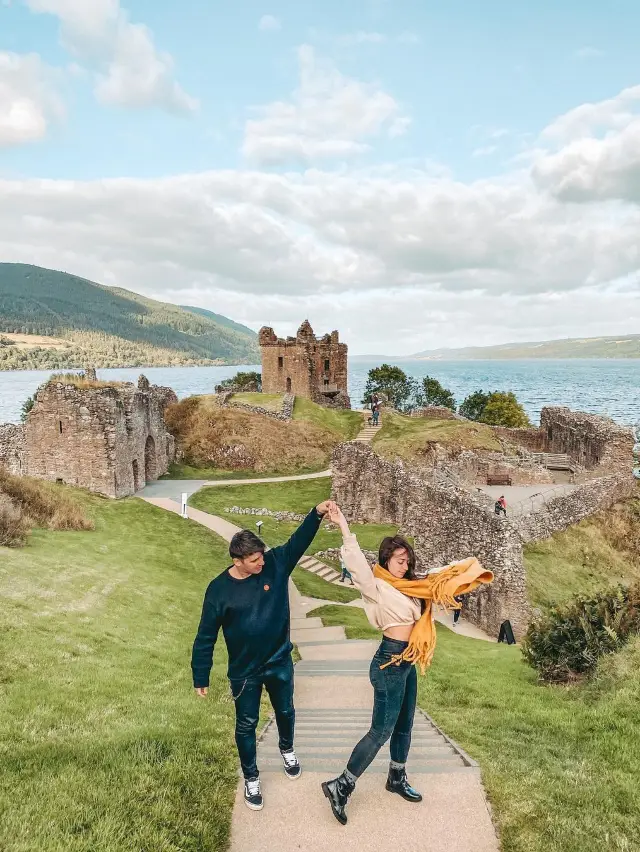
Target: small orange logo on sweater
[[266, 587]]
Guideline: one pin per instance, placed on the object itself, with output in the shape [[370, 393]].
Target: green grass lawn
[[561, 765], [103, 744], [315, 587], [406, 437], [298, 496], [270, 401], [353, 619], [602, 549], [344, 424]]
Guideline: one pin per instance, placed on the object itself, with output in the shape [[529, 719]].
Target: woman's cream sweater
[[385, 606]]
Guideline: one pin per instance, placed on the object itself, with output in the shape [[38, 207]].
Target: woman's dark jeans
[[394, 703]]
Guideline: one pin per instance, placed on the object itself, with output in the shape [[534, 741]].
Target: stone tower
[[305, 365]]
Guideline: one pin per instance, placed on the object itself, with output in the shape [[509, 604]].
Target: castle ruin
[[108, 438], [305, 365]]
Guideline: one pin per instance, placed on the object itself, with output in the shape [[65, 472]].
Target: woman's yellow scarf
[[441, 588]]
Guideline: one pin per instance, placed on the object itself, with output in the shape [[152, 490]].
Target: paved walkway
[[174, 488], [333, 705], [524, 499]]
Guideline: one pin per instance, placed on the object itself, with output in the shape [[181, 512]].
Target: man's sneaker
[[253, 794], [292, 768]]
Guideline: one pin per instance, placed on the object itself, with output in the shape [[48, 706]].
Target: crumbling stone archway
[[150, 460]]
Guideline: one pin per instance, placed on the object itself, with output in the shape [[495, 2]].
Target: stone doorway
[[150, 461], [288, 385], [136, 476]]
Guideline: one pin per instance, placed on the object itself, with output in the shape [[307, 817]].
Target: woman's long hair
[[388, 547]]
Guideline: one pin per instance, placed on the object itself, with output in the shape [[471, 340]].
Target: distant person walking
[[345, 573], [375, 409]]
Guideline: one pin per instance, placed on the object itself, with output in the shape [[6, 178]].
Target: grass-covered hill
[[216, 441], [53, 320]]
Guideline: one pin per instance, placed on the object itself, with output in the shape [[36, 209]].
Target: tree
[[503, 409], [244, 381], [432, 393], [392, 383], [27, 405], [474, 405]]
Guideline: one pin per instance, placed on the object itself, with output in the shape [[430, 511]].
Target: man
[[250, 602]]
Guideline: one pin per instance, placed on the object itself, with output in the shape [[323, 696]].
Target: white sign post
[[184, 506], [259, 525]]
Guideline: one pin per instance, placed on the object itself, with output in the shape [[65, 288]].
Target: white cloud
[[328, 116], [588, 53], [599, 152], [132, 72], [28, 100], [268, 22], [399, 258]]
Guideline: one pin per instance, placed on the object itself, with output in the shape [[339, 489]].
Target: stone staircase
[[309, 563]]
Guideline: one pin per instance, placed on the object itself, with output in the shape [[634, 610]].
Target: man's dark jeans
[[394, 702], [278, 681]]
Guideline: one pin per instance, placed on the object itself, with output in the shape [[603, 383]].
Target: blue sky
[[310, 156]]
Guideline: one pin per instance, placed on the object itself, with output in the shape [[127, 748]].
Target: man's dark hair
[[245, 543], [389, 546]]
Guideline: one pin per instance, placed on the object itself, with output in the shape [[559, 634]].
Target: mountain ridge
[[107, 326]]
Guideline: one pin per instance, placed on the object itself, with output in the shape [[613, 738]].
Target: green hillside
[[106, 326], [220, 320], [624, 346]]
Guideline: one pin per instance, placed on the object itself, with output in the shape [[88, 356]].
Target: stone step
[[320, 634], [331, 767], [306, 623]]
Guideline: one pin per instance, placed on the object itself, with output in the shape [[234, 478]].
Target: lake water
[[610, 387]]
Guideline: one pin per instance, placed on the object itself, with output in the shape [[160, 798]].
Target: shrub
[[495, 409], [567, 641], [433, 393], [13, 526], [251, 381], [44, 504]]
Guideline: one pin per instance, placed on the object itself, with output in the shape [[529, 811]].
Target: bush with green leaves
[[248, 381], [567, 640], [431, 392], [500, 408], [393, 384]]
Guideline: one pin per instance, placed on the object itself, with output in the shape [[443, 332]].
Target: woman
[[399, 604]]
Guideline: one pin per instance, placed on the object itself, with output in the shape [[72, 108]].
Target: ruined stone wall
[[286, 409], [563, 511], [12, 447], [435, 412], [532, 439], [596, 443], [447, 524], [522, 471], [304, 365], [109, 439]]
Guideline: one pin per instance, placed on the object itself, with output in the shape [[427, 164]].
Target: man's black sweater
[[253, 613]]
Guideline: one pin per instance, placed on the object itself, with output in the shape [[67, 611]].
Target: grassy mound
[[234, 440], [409, 437], [561, 765], [270, 401], [103, 745], [600, 550], [26, 502], [344, 425]]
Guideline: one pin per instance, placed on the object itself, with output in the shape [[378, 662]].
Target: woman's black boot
[[338, 792], [397, 783]]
